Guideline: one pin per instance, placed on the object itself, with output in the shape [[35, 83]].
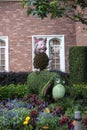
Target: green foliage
[[37, 81], [14, 113], [57, 8], [12, 91], [7, 78], [12, 119], [41, 61], [42, 83], [78, 64], [79, 91], [47, 120], [64, 77]]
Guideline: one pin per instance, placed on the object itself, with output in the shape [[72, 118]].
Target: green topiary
[[38, 82], [78, 64], [41, 61]]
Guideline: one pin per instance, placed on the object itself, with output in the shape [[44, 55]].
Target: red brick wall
[[19, 28], [81, 34]]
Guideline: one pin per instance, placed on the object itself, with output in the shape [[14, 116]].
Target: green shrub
[[79, 91], [37, 81], [78, 64], [7, 78], [41, 61], [12, 119], [12, 91]]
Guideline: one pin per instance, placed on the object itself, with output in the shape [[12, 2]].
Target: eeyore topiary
[[41, 83]]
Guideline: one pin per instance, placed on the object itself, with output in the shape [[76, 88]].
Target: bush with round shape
[[41, 61]]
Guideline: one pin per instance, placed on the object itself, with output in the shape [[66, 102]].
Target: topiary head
[[41, 61]]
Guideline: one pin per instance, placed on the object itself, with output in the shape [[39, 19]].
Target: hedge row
[[13, 91], [7, 78], [78, 64]]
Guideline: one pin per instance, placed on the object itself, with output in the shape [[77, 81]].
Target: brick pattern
[[19, 28], [81, 34]]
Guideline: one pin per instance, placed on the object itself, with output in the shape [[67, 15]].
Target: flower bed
[[32, 113]]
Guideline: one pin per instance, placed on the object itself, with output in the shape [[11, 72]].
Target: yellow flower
[[47, 110], [25, 122], [85, 86], [45, 127], [27, 118]]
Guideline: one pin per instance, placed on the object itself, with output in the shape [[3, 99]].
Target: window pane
[[2, 68], [2, 56], [3, 50], [55, 54], [2, 62], [2, 43]]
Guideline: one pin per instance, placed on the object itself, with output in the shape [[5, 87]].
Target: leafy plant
[[41, 61], [78, 64], [74, 10], [12, 91], [7, 78], [34, 114], [47, 120], [37, 81], [79, 91], [12, 114]]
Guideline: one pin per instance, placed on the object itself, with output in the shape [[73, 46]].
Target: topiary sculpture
[[41, 61]]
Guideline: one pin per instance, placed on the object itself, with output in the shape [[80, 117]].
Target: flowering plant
[[20, 115], [47, 119], [30, 121], [84, 121]]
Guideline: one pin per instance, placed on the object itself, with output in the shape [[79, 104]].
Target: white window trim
[[62, 50], [5, 38]]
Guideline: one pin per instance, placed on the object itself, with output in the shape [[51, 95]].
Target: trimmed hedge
[[11, 91], [79, 91], [7, 78], [78, 64]]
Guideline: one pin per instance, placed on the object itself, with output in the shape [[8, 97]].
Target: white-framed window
[[55, 50], [4, 54]]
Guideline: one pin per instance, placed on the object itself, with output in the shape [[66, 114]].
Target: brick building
[[17, 32]]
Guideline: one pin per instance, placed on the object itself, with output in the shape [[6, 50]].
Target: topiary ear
[[45, 40], [46, 89], [36, 40]]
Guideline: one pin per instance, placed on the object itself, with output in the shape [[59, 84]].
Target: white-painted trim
[[62, 46], [5, 38]]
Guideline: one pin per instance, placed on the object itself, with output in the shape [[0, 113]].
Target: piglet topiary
[[40, 45]]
